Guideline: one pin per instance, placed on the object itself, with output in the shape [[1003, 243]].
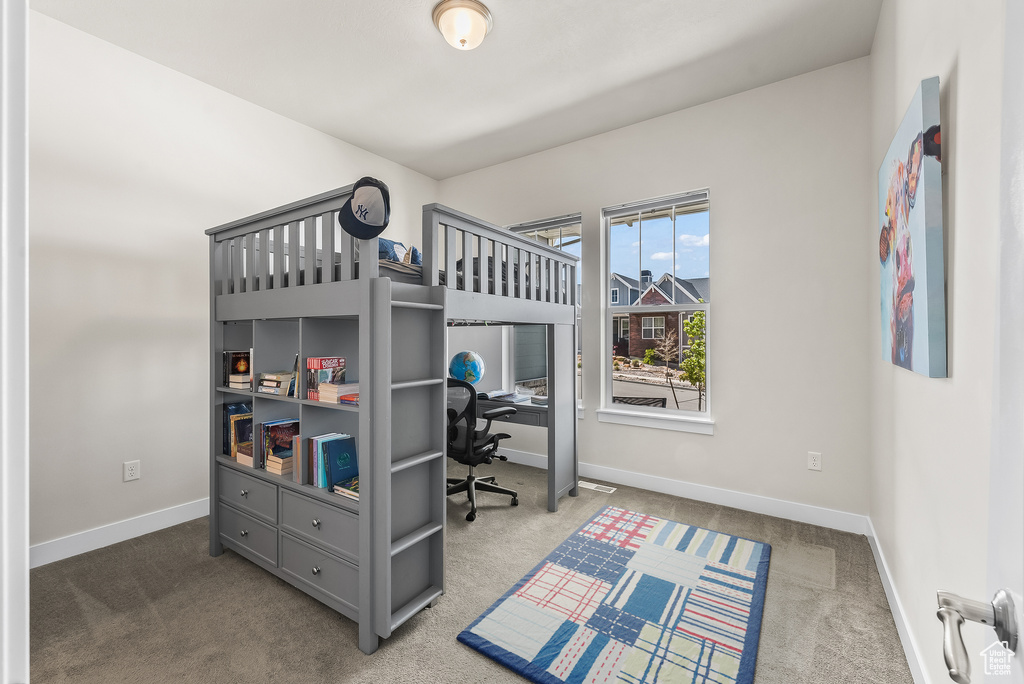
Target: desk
[[563, 473], [526, 413]]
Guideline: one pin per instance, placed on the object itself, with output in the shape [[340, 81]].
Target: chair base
[[472, 484]]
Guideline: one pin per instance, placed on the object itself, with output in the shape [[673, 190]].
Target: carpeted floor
[[159, 609]]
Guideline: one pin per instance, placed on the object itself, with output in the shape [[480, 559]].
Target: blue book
[[340, 459]]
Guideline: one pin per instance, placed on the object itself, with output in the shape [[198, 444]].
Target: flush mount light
[[463, 23]]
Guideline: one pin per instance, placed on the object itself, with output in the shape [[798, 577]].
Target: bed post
[[431, 220]]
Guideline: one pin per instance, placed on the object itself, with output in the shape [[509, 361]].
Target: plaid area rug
[[632, 598]]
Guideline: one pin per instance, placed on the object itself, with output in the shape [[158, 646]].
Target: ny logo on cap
[[361, 212]]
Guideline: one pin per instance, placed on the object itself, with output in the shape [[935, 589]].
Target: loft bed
[[289, 281]]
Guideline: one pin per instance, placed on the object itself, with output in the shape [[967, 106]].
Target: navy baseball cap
[[366, 213]]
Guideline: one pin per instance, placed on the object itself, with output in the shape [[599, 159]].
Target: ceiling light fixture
[[463, 23]]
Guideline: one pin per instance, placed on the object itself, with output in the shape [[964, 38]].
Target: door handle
[[954, 610]]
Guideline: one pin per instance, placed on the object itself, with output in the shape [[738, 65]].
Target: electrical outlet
[[813, 460], [132, 470]]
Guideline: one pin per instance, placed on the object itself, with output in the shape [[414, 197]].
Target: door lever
[[954, 610]]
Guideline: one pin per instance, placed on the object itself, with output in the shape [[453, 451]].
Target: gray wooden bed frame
[[379, 560]]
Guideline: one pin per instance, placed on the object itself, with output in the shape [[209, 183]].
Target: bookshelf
[[378, 560]]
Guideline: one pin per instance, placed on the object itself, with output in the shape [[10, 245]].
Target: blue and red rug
[[632, 598]]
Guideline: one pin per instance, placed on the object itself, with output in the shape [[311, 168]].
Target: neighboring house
[[635, 333]]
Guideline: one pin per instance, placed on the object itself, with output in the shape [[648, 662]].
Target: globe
[[467, 366]]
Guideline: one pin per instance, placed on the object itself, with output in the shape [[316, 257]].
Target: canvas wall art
[[910, 241]]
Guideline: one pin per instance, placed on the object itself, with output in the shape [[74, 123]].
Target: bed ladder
[[406, 421]]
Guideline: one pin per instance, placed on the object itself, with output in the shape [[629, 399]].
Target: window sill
[[700, 426]]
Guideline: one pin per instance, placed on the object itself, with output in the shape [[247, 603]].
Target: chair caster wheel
[[471, 517], [515, 500]]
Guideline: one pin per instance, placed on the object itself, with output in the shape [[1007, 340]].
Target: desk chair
[[470, 446]]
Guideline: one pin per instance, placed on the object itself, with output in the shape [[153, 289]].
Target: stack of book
[[281, 383], [238, 370], [348, 488], [539, 400], [347, 393], [323, 369], [280, 466], [276, 441]]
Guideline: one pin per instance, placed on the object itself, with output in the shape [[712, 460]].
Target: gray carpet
[[159, 609]]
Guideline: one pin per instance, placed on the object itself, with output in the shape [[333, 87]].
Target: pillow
[[417, 258], [389, 249]]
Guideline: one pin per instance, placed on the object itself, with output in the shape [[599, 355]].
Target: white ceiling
[[377, 74]]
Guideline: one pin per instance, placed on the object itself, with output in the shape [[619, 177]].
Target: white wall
[[789, 175], [130, 163], [931, 438]]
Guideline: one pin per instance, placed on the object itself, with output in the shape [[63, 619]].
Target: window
[[615, 295], [660, 250], [654, 327], [529, 363]]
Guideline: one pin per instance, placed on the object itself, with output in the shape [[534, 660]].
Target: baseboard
[[910, 649], [813, 515], [90, 540]]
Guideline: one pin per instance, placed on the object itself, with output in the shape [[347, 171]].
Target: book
[[280, 462], [539, 400], [317, 473], [276, 439], [300, 458], [323, 369], [513, 398], [325, 362], [281, 383], [279, 470], [237, 363], [347, 393], [340, 459], [230, 410], [239, 432], [348, 487], [276, 375], [244, 455]]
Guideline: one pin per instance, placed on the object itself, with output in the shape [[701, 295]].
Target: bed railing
[[302, 244], [491, 260], [269, 250]]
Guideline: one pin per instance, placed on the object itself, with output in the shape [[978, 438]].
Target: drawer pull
[[245, 493], [316, 570], [244, 533], [316, 523]]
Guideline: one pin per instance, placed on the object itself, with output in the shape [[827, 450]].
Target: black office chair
[[470, 446]]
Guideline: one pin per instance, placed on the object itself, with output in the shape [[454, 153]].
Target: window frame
[[615, 295], [701, 422]]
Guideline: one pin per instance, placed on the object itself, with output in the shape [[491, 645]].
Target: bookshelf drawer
[[253, 496], [320, 523], [320, 570], [241, 530]]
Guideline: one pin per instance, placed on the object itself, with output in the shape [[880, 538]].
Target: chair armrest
[[492, 414], [497, 412]]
